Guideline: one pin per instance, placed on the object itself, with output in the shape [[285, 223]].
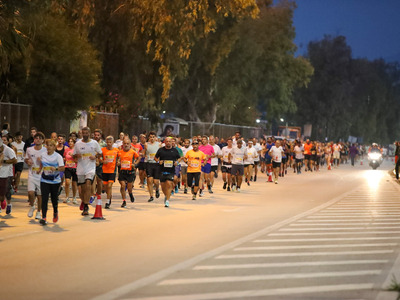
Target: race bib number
[[20, 153], [239, 159], [109, 158], [86, 156], [126, 164], [194, 164], [70, 163], [152, 155], [168, 163], [35, 169]]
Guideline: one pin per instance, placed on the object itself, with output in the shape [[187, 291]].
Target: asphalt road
[[321, 235]]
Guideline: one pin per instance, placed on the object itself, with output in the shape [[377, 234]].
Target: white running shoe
[[74, 201], [30, 212], [68, 199], [38, 215], [166, 204], [238, 190]]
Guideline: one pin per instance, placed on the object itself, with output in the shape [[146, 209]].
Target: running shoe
[[107, 206], [248, 183], [201, 194], [210, 190], [92, 198], [157, 193], [233, 188], [85, 210], [176, 190], [194, 197], [3, 204], [172, 192], [132, 198], [166, 203], [151, 199], [30, 212], [82, 206], [224, 187], [68, 199], [123, 204], [251, 178], [8, 210], [276, 181], [255, 178], [55, 217], [229, 188], [185, 191], [38, 215], [43, 221], [238, 190], [74, 201]]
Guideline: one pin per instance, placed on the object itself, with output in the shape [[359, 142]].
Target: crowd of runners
[[85, 165]]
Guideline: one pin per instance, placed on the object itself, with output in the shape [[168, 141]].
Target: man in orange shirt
[[307, 155], [195, 159], [126, 176], [109, 161]]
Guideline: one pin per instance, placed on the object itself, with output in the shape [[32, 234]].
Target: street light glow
[[282, 119], [258, 121]]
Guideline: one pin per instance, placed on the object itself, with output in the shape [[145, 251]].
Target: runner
[[142, 164], [7, 159], [276, 155], [336, 154], [34, 175], [118, 143], [258, 148], [268, 158], [185, 149], [60, 149], [70, 172], [52, 164], [298, 155], [86, 152], [194, 159], [168, 158], [177, 175], [307, 155], [208, 150], [214, 160], [139, 149], [29, 142], [127, 174], [109, 162], [97, 188], [19, 166], [226, 167], [152, 167], [249, 161], [328, 155], [237, 156]]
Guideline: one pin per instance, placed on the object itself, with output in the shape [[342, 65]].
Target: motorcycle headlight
[[374, 156]]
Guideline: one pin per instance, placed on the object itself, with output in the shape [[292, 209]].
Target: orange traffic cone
[[361, 162], [98, 214], [329, 167]]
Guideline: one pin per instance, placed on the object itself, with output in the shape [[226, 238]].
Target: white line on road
[[314, 223], [328, 239], [290, 264], [315, 246], [353, 220], [295, 254], [266, 277], [265, 292], [339, 228], [337, 217], [334, 233]]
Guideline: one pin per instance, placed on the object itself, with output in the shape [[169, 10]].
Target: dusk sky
[[371, 27]]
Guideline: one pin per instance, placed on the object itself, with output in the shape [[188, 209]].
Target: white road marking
[[353, 220], [337, 217], [328, 239], [295, 254], [339, 228], [265, 292], [220, 279], [314, 246], [290, 264], [314, 223], [334, 233]]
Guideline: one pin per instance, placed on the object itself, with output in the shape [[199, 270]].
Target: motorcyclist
[[375, 148]]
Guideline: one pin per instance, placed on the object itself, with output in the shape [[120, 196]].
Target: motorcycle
[[375, 159]]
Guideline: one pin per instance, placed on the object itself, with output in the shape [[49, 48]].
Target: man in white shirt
[[86, 151], [258, 148], [19, 166], [7, 159], [237, 156], [249, 161], [276, 156]]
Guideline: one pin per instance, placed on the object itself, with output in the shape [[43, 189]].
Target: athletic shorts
[[226, 169], [19, 167], [82, 178], [313, 157], [128, 176], [153, 170], [184, 170], [237, 169], [298, 160], [71, 173], [4, 186], [276, 164], [178, 171], [336, 155], [268, 161], [206, 168], [99, 172], [34, 185], [284, 160], [141, 166], [166, 176], [214, 169], [307, 156], [195, 176], [108, 177], [256, 163], [262, 159]]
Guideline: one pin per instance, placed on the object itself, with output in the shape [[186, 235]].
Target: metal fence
[[18, 116]]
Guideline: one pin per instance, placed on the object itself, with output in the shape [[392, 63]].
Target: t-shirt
[[258, 149], [6, 170], [251, 155], [168, 156], [307, 148], [225, 155], [194, 160], [234, 143], [86, 150], [33, 154], [20, 151], [151, 151], [238, 155], [184, 151], [276, 153], [298, 152], [69, 159], [109, 159], [207, 150], [268, 147], [127, 158], [49, 161], [137, 147], [218, 152]]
